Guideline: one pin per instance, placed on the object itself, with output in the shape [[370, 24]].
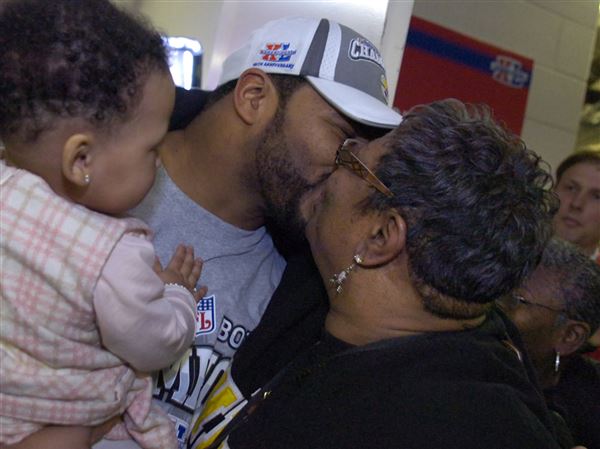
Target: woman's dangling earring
[[86, 179], [338, 279], [557, 362]]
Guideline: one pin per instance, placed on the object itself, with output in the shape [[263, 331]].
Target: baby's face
[[125, 166]]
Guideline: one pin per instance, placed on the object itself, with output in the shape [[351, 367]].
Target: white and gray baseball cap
[[343, 66]]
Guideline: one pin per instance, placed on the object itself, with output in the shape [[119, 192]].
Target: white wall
[[557, 34], [222, 25], [239, 19], [393, 40], [196, 19]]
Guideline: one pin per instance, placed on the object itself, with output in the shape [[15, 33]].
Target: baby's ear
[[77, 158]]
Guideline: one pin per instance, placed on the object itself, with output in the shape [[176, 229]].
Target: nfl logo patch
[[205, 315], [181, 428]]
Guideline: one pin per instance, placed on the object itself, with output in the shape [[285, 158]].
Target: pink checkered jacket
[[53, 369]]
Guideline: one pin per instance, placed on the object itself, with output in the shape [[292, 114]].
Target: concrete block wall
[[196, 19], [557, 34]]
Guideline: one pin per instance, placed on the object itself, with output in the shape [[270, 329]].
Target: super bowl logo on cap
[[509, 71], [205, 315], [276, 54], [279, 52], [362, 49]]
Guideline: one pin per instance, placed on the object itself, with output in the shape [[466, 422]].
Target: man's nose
[[577, 201]]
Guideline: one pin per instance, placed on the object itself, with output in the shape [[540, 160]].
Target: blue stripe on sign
[[453, 52]]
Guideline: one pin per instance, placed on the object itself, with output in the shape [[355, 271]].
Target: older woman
[[416, 234], [556, 310]]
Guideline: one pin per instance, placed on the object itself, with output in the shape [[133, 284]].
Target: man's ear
[[386, 239], [254, 96], [76, 159], [574, 334]]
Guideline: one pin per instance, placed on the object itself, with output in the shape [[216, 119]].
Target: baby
[[85, 98]]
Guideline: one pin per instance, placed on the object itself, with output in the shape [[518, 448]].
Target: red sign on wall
[[439, 63]]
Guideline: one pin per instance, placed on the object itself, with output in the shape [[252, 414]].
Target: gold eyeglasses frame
[[344, 157], [512, 300]]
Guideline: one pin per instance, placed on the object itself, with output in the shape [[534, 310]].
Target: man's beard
[[282, 187]]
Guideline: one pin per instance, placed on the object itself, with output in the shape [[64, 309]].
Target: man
[[578, 187], [266, 137], [578, 219], [556, 310]]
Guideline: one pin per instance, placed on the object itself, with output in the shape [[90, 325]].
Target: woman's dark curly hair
[[67, 58], [476, 201]]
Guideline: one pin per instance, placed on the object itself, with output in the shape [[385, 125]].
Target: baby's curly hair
[[66, 58]]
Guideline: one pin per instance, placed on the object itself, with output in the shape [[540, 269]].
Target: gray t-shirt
[[241, 269]]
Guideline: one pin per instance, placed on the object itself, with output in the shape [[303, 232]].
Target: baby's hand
[[182, 269]]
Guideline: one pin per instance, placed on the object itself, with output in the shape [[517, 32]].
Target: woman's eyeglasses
[[344, 157], [513, 300]]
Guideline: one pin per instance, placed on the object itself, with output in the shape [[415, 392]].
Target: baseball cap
[[343, 66]]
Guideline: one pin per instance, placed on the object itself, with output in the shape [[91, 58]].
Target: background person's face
[[578, 219], [538, 326]]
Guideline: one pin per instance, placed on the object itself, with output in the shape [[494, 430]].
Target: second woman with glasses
[[556, 310]]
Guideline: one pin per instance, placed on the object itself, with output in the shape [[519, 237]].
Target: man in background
[[578, 188], [578, 219]]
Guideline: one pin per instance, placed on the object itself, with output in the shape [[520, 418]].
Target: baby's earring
[[86, 179]]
